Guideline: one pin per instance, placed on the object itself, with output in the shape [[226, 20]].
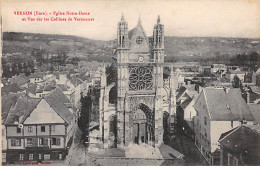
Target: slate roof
[[180, 91], [57, 100], [23, 107], [36, 75], [8, 102], [32, 89], [186, 103], [226, 106], [20, 80], [255, 110], [49, 87], [75, 80], [63, 87], [13, 87], [132, 34], [244, 141]]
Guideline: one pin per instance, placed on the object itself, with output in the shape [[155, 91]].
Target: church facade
[[145, 108]]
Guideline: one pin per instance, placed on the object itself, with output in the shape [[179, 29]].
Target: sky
[[186, 18]]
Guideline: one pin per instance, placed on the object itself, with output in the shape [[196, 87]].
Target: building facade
[[39, 129], [218, 111], [140, 115]]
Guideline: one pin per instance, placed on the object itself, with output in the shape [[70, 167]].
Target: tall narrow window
[[29, 129], [42, 128], [53, 128], [30, 156], [18, 130], [21, 157], [29, 141]]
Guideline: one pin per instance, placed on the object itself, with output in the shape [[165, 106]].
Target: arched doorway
[[112, 131], [142, 124], [166, 127]]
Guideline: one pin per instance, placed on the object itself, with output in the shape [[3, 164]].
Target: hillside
[[180, 48]]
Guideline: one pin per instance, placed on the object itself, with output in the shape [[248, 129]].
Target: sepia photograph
[[130, 83]]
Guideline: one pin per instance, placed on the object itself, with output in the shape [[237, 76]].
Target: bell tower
[[122, 71], [158, 55]]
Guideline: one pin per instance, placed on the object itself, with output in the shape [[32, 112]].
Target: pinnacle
[[158, 19]]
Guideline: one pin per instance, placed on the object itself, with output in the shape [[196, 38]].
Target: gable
[[43, 113], [138, 41], [201, 104]]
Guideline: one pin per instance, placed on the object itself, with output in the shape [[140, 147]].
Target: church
[[145, 106]]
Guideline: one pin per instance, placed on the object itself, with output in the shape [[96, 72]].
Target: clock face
[[141, 59], [139, 40], [141, 78]]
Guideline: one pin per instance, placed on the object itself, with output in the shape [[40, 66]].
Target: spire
[[139, 20], [122, 17], [158, 19]]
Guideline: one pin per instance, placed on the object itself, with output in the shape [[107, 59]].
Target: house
[[232, 73], [8, 103], [31, 90], [240, 146], [39, 128], [218, 110], [36, 77], [21, 80], [218, 68], [10, 88], [185, 111]]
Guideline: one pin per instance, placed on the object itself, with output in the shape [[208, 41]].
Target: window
[[12, 142], [16, 142], [47, 156], [53, 128], [29, 129], [43, 141], [40, 156], [30, 156], [18, 130], [205, 120], [42, 128], [55, 141], [21, 157], [29, 141], [60, 156]]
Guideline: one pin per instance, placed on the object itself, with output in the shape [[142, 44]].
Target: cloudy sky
[[224, 18]]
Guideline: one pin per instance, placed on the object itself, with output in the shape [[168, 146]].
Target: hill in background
[[176, 48]]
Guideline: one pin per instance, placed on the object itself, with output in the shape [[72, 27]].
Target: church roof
[[133, 34]]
